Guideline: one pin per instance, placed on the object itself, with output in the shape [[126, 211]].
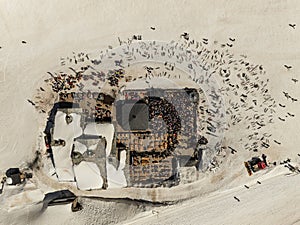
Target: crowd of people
[[143, 143], [186, 109], [93, 105], [65, 82], [161, 108], [174, 114], [134, 95], [150, 169], [114, 76], [178, 116]]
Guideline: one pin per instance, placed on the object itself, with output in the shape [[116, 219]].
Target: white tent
[[62, 154], [88, 176], [79, 147], [115, 177], [106, 130]]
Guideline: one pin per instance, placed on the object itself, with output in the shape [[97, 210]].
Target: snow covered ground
[[274, 201], [55, 29]]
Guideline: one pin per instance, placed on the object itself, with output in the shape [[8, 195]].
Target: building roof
[[133, 115]]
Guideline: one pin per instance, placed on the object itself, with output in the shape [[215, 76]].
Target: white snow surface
[[56, 28]]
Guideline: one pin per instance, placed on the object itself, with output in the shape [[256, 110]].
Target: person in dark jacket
[[264, 157]]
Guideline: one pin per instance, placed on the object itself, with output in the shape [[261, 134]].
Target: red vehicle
[[255, 164]]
